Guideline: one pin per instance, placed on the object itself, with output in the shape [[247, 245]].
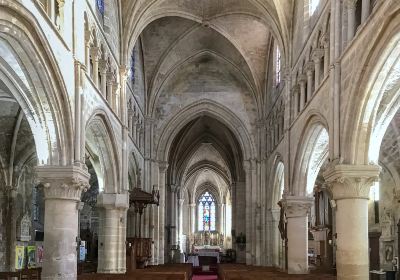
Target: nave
[[249, 139]]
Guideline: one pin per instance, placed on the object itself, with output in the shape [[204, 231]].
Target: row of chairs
[[25, 274]]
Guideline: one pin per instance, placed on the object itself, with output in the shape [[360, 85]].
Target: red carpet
[[204, 277]]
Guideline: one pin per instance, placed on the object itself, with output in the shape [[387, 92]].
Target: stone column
[[221, 218], [180, 221], [63, 186], [112, 232], [87, 50], [317, 55], [365, 10], [302, 82], [349, 186], [325, 41], [161, 228], [109, 83], [130, 116], [103, 74], [351, 15], [297, 210], [192, 208], [115, 89], [276, 238], [310, 89], [249, 212], [173, 189], [295, 93], [95, 53], [134, 125]]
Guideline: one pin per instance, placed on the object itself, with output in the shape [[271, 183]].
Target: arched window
[[100, 6], [206, 212], [133, 62], [277, 66], [313, 4]]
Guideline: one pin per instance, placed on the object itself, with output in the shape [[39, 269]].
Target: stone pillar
[[276, 238], [310, 89], [63, 186], [302, 82], [109, 88], [103, 74], [134, 125], [10, 226], [112, 232], [297, 210], [295, 93], [317, 55], [221, 217], [248, 207], [192, 208], [95, 53], [180, 221], [161, 228], [173, 189], [365, 10], [87, 50], [325, 41], [350, 186], [130, 115], [351, 15], [115, 94]]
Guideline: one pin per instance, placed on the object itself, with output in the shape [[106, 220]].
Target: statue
[[387, 224]]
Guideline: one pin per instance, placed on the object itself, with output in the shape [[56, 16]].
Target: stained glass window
[[277, 66], [100, 6], [206, 212], [313, 6]]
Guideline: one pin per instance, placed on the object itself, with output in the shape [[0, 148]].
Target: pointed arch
[[28, 68], [310, 156], [100, 140]]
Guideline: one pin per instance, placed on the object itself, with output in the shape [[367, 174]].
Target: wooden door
[[374, 250]]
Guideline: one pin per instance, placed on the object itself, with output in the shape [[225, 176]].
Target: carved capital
[[296, 206], [95, 53], [350, 4], [309, 67], [123, 73], [351, 181], [103, 66], [63, 182], [295, 90], [162, 166], [317, 54], [302, 79]]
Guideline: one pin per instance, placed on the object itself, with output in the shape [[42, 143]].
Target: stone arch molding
[[204, 108], [278, 175], [375, 98], [311, 145], [104, 153], [36, 83]]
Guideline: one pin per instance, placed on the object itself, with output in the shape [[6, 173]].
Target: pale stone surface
[[186, 94], [297, 210], [62, 188]]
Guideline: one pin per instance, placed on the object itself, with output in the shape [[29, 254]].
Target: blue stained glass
[[100, 6], [206, 213], [133, 62]]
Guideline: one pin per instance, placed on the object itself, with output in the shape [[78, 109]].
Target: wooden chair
[[10, 275]]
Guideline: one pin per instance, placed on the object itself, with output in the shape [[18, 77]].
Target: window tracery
[[206, 212]]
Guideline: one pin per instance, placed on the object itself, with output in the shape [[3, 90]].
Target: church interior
[[199, 139]]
